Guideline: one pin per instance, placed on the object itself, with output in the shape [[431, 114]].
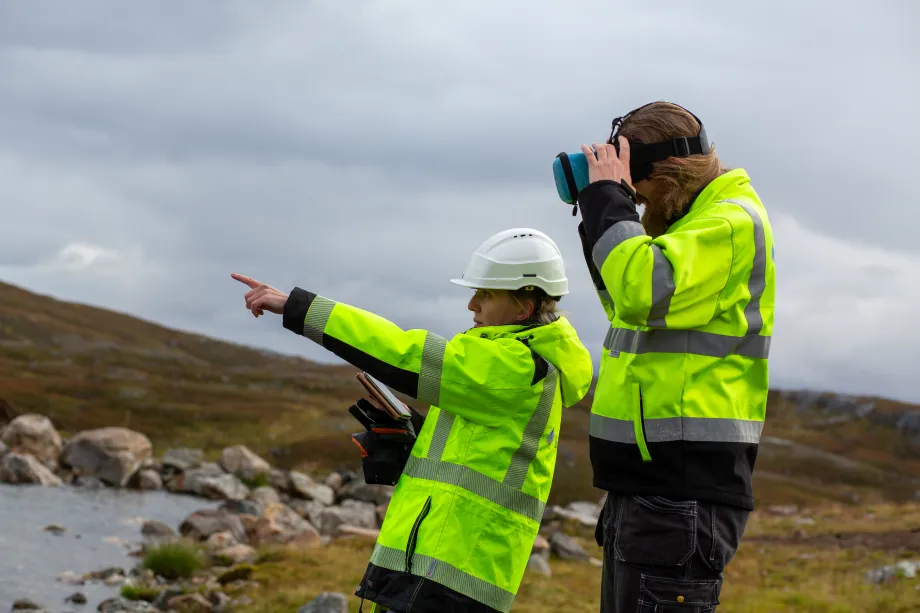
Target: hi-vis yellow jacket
[[464, 515], [682, 388]]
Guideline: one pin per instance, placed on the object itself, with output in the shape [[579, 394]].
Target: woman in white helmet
[[461, 525]]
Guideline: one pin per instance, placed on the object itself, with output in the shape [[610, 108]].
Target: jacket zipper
[[413, 535], [639, 427]]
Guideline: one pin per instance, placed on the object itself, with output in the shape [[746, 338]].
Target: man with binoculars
[[680, 401]]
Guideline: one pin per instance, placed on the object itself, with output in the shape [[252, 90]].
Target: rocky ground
[[262, 506]]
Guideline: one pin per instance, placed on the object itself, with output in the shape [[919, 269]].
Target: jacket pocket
[[413, 535], [655, 530], [639, 422]]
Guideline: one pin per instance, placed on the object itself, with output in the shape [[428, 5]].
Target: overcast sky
[[363, 149]]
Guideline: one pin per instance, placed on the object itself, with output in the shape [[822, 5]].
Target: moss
[[139, 592]]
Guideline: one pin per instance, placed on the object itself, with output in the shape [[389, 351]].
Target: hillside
[[87, 367]]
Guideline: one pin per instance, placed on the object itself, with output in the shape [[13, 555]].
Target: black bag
[[386, 444]]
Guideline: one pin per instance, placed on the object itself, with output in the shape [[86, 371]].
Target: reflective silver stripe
[[429, 373], [662, 288], [441, 433], [533, 433], [477, 483], [757, 282], [445, 574], [706, 429], [615, 234], [686, 341], [317, 317]]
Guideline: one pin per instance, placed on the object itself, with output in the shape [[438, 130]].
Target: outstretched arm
[[466, 375]]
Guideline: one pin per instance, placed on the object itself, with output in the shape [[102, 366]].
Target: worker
[[680, 401], [467, 508]]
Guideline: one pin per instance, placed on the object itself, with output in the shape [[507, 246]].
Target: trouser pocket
[[657, 531], [667, 595]]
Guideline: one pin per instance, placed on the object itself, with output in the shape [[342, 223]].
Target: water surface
[[103, 525]]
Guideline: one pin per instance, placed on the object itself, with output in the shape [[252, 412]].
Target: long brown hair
[[677, 180]]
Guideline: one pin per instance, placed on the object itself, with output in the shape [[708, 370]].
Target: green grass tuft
[[176, 560]]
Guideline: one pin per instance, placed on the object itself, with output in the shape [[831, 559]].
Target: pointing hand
[[261, 297]]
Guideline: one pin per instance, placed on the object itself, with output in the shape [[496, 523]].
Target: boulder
[[309, 510], [24, 604], [351, 512], [366, 492], [566, 547], [122, 605], [243, 462], [327, 602], [17, 468], [157, 531], [148, 479], [190, 603], [112, 454], [280, 524], [264, 496], [304, 486], [35, 435], [237, 554], [182, 459], [203, 523], [224, 487]]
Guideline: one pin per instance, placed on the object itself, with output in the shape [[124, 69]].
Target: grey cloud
[[363, 152]]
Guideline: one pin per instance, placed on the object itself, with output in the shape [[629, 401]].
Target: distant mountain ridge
[[87, 367]]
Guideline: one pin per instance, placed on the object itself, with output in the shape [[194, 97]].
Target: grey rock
[[35, 435], [305, 487], [112, 454], [23, 469], [566, 547], [366, 492], [121, 605], [309, 509], [241, 461], [183, 459], [242, 507], [539, 564], [351, 512], [77, 598], [88, 482], [157, 530], [224, 487], [279, 480], [205, 522], [160, 602], [327, 602], [904, 569], [191, 480], [24, 604], [149, 480], [264, 496]]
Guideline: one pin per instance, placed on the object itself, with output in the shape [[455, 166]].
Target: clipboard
[[384, 397]]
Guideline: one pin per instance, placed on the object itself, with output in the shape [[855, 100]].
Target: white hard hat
[[516, 258]]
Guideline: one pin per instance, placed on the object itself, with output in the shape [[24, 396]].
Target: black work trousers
[[663, 555]]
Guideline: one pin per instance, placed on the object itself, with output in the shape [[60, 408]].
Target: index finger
[[244, 279]]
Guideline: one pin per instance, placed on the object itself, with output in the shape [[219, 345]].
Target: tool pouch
[[384, 453]]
